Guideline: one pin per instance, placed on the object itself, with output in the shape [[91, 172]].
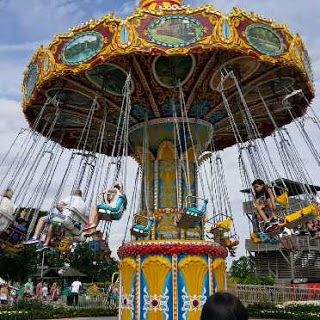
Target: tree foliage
[[243, 271], [87, 262], [18, 266], [242, 268]]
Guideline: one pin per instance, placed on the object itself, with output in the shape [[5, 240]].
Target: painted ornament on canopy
[[31, 80], [46, 63], [265, 39], [82, 48], [175, 31]]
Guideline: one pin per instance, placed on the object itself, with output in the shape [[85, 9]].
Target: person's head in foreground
[[224, 306]]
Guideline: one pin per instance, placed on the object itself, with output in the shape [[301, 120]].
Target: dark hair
[[259, 182], [77, 192], [224, 306]]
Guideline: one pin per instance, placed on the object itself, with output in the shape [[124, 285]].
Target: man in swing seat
[[6, 210], [114, 206], [65, 207], [265, 198]]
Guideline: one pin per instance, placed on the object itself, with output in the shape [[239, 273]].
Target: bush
[[14, 315], [292, 312], [29, 309]]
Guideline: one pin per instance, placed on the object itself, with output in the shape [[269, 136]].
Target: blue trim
[[31, 80]]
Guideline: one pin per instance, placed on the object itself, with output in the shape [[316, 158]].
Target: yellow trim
[[291, 58], [219, 268]]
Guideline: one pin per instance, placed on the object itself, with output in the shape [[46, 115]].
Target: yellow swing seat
[[283, 199], [224, 226], [300, 217], [255, 238]]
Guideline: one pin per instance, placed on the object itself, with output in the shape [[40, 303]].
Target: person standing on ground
[[39, 289], [54, 292], [45, 291], [28, 288], [4, 295], [75, 289]]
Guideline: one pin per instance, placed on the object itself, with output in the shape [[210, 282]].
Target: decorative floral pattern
[[171, 248], [192, 303], [159, 303]]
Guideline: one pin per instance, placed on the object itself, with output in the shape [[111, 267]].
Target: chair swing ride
[[170, 86]]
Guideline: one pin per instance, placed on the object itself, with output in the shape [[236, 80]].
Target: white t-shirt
[[45, 292], [77, 203], [75, 286], [6, 206]]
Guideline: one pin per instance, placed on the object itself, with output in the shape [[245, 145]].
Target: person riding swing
[[265, 198], [115, 202], [74, 201]]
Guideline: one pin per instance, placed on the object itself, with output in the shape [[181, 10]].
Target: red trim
[[170, 248], [160, 2]]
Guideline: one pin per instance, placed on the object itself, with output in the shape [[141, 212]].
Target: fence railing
[[274, 294], [98, 302]]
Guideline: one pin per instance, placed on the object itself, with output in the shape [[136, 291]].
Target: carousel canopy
[[166, 46]]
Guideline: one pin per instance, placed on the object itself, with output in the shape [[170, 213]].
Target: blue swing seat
[[265, 238], [139, 230], [192, 214], [197, 212], [108, 212]]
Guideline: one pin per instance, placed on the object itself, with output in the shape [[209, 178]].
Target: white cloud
[[28, 46]]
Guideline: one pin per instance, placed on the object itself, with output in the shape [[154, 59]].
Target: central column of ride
[[170, 273]]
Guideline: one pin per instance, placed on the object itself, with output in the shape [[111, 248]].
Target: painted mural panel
[[193, 286], [156, 288]]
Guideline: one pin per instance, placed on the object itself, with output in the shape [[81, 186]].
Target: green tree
[[18, 266], [243, 271], [243, 268], [87, 262]]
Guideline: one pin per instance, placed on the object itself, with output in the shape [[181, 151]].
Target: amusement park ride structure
[[169, 86]]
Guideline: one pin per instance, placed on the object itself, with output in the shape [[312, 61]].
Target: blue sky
[[26, 24]]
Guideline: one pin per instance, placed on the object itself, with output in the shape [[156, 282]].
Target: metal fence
[[98, 302], [274, 294]]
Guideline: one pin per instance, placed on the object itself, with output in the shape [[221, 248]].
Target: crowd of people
[[42, 291], [220, 306], [12, 292]]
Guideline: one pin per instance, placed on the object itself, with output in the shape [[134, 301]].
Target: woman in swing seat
[[6, 210], [112, 204], [264, 198], [74, 201]]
